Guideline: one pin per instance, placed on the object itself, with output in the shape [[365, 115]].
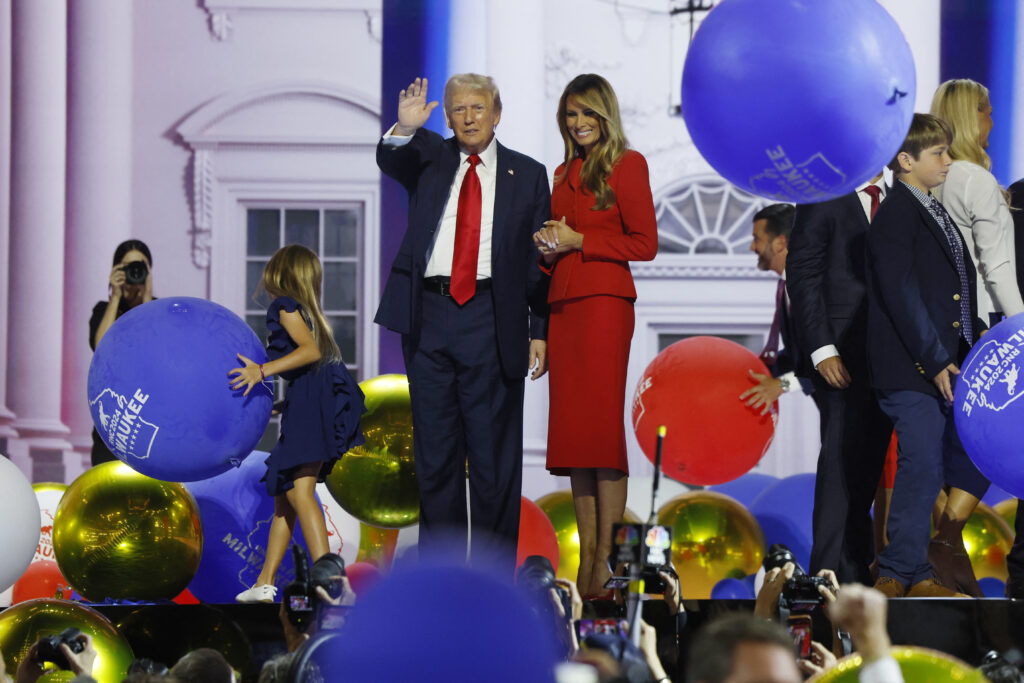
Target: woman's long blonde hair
[[595, 93], [958, 102], [295, 271]]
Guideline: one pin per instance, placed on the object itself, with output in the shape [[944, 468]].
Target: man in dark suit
[[1015, 560], [770, 241], [467, 295], [922, 321], [826, 273]]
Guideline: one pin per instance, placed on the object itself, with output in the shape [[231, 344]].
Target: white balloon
[[19, 523], [342, 528], [48, 499]]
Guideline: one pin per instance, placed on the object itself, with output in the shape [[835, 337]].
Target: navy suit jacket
[[426, 167], [825, 273], [913, 296]]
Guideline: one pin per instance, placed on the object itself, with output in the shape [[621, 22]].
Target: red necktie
[[874, 191], [467, 235]]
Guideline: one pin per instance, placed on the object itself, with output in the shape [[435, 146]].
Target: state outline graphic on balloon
[[116, 417], [784, 175]]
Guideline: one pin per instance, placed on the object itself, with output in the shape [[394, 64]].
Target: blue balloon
[[236, 512], [795, 100], [784, 512], [992, 587], [746, 488], [732, 589], [989, 418], [994, 495], [463, 625], [159, 391]]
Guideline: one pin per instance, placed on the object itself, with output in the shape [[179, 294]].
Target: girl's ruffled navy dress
[[320, 416]]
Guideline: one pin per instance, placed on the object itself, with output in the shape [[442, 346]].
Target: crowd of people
[[882, 293]]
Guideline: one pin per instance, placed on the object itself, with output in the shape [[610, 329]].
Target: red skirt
[[588, 351]]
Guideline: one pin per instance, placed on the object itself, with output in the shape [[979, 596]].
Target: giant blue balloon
[[989, 416], [746, 488], [236, 513], [159, 391], [784, 510], [798, 100]]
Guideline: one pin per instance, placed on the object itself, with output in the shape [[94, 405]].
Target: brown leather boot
[[949, 558], [890, 587]]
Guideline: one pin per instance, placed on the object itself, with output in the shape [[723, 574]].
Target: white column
[[39, 41], [6, 416], [98, 183]]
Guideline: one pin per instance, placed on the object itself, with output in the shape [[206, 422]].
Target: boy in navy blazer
[[922, 321]]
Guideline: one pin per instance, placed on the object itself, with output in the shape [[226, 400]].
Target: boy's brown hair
[[925, 131]]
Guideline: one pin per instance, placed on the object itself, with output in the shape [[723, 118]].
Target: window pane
[[301, 226], [339, 286], [344, 328], [264, 231], [340, 232], [253, 275], [258, 323]]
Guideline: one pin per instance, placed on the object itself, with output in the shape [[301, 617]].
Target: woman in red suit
[[603, 217]]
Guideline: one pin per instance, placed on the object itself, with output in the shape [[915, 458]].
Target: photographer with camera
[[789, 595], [556, 601], [71, 650], [131, 284]]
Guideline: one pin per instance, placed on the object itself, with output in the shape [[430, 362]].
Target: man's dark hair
[[713, 649], [204, 665], [779, 217]]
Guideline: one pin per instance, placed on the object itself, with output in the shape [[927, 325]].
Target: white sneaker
[[262, 593]]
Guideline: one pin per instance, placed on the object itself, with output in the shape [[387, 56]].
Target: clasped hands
[[556, 237]]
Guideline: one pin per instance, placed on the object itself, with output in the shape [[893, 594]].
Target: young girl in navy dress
[[320, 416]]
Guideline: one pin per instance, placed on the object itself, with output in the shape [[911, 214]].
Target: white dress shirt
[[439, 259], [975, 202], [830, 350]]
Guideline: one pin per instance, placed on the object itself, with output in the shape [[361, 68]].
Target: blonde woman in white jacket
[[977, 204]]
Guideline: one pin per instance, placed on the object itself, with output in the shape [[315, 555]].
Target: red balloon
[[362, 576], [185, 597], [42, 579], [693, 388], [536, 534]]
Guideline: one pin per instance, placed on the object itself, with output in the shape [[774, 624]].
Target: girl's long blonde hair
[[958, 102], [595, 93], [295, 271]]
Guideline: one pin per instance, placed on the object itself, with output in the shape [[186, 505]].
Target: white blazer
[[975, 202]]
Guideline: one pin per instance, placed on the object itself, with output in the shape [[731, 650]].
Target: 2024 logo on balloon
[[993, 385], [124, 429]]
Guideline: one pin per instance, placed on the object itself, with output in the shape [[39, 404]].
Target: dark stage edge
[[966, 628]]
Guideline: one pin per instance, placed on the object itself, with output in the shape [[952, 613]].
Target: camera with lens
[[49, 647], [800, 593], [536, 577], [646, 546], [301, 602], [135, 273]]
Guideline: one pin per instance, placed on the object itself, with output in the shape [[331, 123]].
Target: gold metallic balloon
[[42, 486], [988, 539], [1007, 509], [25, 623], [122, 535], [376, 482], [166, 633], [559, 508], [713, 538], [377, 546], [918, 664]]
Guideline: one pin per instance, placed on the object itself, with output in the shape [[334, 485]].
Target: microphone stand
[[636, 583]]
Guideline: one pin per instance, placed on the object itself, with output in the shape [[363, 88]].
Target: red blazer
[[627, 231]]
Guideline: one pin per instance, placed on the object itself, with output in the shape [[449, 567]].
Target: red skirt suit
[[591, 321]]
